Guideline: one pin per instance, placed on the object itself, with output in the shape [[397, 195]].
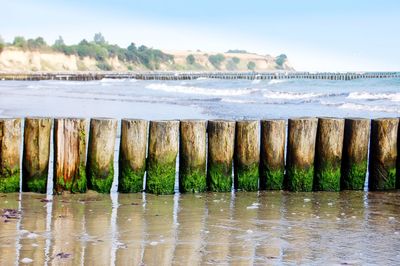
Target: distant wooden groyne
[[322, 154], [168, 75]]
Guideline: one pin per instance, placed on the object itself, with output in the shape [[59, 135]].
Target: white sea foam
[[277, 81], [230, 100], [374, 96], [199, 90], [256, 81], [372, 108], [292, 95], [202, 78]]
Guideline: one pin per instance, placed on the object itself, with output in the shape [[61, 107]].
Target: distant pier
[[173, 75]]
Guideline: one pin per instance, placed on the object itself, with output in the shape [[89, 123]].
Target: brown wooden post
[[163, 150], [272, 169], [192, 156], [100, 166], [247, 155], [383, 154], [301, 153], [328, 155], [70, 154], [10, 142], [132, 155], [221, 142], [355, 153], [35, 161]]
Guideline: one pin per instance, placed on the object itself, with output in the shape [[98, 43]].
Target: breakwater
[[176, 75], [322, 154]]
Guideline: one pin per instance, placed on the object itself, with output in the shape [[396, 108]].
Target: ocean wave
[[199, 90], [277, 81], [230, 100], [256, 81], [374, 96], [292, 95], [372, 108], [202, 78]]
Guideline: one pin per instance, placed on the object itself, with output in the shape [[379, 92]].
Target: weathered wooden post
[[192, 156], [10, 141], [328, 154], [272, 168], [221, 142], [247, 155], [132, 155], [69, 154], [301, 153], [383, 154], [163, 149], [355, 153], [100, 165], [35, 161]]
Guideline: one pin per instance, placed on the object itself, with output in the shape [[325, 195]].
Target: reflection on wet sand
[[210, 228]]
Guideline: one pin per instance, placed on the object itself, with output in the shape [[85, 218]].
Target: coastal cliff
[[19, 59]]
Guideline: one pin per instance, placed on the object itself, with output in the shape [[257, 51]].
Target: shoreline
[[188, 75]]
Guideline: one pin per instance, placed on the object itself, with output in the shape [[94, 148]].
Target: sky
[[316, 35]]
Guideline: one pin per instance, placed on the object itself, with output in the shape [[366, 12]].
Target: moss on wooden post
[[35, 161], [383, 154], [221, 142], [355, 153], [272, 165], [301, 153], [192, 156], [70, 155], [163, 149], [10, 141], [132, 155], [247, 155], [328, 154], [100, 165]]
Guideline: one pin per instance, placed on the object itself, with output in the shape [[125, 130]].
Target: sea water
[[201, 98], [238, 228]]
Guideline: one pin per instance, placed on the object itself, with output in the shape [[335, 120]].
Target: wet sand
[[212, 228]]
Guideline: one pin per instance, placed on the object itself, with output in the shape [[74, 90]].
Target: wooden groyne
[[328, 154], [176, 75]]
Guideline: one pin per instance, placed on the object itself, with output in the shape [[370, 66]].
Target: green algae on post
[[35, 162], [100, 165], [221, 142], [328, 154], [10, 141], [247, 155], [355, 153], [301, 153], [70, 155], [192, 156], [272, 157], [383, 154], [132, 155], [163, 149]]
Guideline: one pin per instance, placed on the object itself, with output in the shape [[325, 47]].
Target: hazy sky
[[336, 35]]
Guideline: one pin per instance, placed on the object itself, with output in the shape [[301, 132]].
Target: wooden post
[[355, 153], [163, 149], [247, 155], [132, 155], [192, 156], [383, 154], [300, 153], [273, 137], [69, 154], [100, 166], [328, 154], [221, 142], [10, 141], [35, 162]]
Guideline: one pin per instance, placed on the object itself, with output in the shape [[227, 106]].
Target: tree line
[[99, 49]]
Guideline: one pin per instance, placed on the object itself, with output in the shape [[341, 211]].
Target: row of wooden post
[[323, 154]]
